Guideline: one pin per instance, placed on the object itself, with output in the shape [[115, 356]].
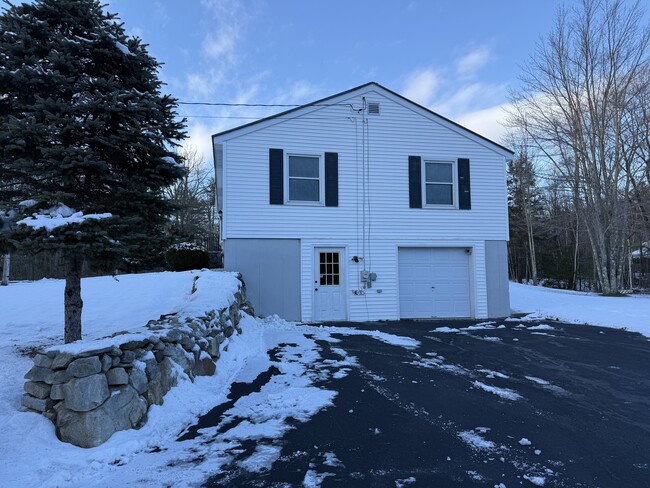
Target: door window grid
[[329, 268]]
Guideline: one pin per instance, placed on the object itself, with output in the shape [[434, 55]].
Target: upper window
[[439, 183], [304, 174]]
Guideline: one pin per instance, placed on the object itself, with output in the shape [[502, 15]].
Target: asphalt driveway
[[495, 404]]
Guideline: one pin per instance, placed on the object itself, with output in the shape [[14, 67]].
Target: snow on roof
[[58, 216]]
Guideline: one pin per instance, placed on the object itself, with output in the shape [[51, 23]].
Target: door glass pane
[[438, 173], [304, 190], [304, 166], [439, 194], [329, 268]]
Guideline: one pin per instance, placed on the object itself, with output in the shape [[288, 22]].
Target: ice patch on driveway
[[505, 393]]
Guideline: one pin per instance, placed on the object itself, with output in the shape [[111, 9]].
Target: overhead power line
[[285, 105]]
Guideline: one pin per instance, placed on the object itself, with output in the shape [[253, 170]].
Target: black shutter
[[415, 182], [276, 176], [331, 179], [464, 187]]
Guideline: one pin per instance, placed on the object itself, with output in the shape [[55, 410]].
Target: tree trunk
[[73, 302], [575, 256], [5, 269], [531, 247]]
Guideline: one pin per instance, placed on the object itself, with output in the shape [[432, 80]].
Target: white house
[[365, 206]]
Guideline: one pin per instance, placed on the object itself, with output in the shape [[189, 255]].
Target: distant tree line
[[579, 186]]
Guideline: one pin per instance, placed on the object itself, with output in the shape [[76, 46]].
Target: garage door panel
[[434, 282]]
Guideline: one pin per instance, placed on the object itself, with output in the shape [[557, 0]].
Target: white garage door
[[434, 282]]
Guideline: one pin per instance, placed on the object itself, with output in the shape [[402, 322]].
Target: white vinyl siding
[[399, 131]]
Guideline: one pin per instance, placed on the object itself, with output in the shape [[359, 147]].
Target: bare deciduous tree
[[193, 198], [524, 197], [580, 89]]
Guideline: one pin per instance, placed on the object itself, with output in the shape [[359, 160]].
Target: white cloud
[[223, 43], [199, 84], [469, 64], [219, 47], [421, 86], [469, 97], [453, 92], [301, 91], [489, 122]]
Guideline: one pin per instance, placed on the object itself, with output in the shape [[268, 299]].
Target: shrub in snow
[[186, 256]]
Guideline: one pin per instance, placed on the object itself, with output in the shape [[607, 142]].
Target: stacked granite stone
[[93, 391]]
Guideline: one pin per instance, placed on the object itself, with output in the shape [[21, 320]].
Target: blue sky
[[458, 58]]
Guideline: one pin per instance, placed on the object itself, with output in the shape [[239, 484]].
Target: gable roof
[[359, 88]]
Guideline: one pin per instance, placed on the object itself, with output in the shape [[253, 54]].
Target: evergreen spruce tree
[[83, 126]]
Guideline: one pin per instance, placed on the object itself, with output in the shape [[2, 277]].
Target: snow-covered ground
[[32, 317], [629, 312]]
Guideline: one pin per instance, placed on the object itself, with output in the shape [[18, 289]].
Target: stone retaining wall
[[92, 390]]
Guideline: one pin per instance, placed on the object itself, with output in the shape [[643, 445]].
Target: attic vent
[[373, 108]]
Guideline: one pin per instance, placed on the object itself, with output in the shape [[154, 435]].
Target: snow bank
[[32, 312], [630, 312]]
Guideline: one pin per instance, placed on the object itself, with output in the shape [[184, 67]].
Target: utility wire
[[258, 118], [285, 105]]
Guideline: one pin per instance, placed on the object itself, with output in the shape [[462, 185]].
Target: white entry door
[[434, 282], [329, 284]]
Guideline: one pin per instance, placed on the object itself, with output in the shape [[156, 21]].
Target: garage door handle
[[433, 287]]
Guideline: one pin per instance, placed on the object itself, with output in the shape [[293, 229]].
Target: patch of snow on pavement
[[436, 362], [541, 327], [493, 374], [539, 381], [445, 330], [629, 312], [536, 480], [324, 333], [483, 326], [401, 483], [313, 479], [331, 460], [504, 393], [475, 441]]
